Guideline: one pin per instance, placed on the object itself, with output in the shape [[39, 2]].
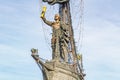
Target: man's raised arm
[[46, 21], [43, 17]]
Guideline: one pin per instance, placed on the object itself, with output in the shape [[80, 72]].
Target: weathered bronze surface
[[59, 41], [62, 43], [51, 2]]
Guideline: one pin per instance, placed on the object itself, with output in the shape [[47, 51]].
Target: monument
[[62, 43]]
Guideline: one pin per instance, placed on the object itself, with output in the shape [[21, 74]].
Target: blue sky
[[21, 29]]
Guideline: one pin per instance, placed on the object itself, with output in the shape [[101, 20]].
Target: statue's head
[[57, 17]]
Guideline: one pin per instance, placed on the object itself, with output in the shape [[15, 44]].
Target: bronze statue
[[63, 47], [59, 41], [55, 1]]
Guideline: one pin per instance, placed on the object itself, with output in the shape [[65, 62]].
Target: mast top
[[52, 2]]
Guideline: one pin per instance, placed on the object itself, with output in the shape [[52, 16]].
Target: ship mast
[[64, 11]]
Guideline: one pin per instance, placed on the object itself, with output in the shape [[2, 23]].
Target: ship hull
[[55, 70]]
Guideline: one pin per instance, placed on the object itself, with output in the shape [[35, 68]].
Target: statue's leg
[[65, 54], [53, 41], [57, 49], [61, 53]]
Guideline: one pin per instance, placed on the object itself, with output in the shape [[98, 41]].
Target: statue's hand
[[42, 14]]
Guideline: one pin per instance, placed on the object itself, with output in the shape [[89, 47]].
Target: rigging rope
[[77, 8], [44, 32], [46, 39], [80, 26], [79, 30]]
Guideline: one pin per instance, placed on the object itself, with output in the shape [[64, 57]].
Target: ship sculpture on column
[[62, 66]]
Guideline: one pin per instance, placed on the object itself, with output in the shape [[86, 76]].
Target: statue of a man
[[55, 1], [59, 29]]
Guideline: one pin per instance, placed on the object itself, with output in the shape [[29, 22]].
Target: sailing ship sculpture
[[62, 43]]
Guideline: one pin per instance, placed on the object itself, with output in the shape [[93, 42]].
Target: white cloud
[[101, 49]]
